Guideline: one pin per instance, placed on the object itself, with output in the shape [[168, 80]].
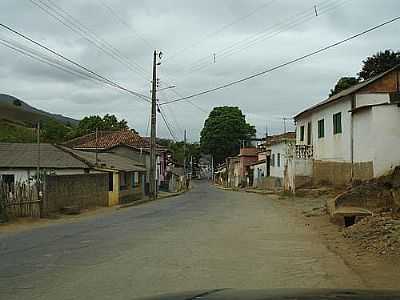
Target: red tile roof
[[108, 139]]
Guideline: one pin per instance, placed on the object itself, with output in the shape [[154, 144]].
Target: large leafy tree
[[378, 63], [108, 122], [54, 132], [343, 84], [223, 132]]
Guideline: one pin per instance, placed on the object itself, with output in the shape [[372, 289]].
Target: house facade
[[125, 143], [352, 135], [126, 177], [19, 162], [269, 170]]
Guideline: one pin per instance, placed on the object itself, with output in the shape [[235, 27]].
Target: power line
[[118, 17], [65, 18], [251, 41], [167, 125], [284, 64], [222, 28], [26, 53], [96, 75]]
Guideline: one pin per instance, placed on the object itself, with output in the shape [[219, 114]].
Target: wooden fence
[[19, 200]]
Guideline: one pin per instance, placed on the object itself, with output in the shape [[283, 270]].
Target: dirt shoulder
[[377, 269]]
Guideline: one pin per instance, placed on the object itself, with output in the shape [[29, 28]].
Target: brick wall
[[83, 190]]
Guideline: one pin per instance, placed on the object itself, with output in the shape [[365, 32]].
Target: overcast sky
[[246, 36]]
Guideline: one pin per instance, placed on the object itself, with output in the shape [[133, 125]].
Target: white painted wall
[[23, 175], [332, 147], [276, 149], [259, 172], [385, 138], [362, 128], [371, 99]]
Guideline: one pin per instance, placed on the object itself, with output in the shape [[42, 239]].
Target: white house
[[19, 162], [354, 134], [269, 170]]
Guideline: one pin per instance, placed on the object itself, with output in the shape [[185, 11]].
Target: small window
[[278, 160], [273, 160], [337, 123], [302, 133], [321, 128]]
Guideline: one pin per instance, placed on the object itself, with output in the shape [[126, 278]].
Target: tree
[[379, 63], [108, 122], [342, 84], [223, 132], [53, 131]]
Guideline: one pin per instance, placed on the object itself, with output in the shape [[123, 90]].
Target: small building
[[129, 144], [352, 135], [19, 162], [247, 157], [269, 169], [126, 176]]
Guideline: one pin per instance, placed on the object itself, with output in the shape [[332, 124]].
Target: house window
[[309, 131], [273, 160], [8, 179], [337, 123], [321, 128], [301, 133], [278, 160]]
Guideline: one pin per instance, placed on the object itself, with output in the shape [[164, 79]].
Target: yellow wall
[[115, 196]]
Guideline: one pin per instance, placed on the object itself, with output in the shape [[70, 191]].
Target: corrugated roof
[[25, 155], [108, 160], [351, 90]]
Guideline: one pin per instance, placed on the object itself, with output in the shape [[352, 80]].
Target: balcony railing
[[304, 151]]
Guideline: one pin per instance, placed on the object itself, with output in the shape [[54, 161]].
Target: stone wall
[[82, 190]]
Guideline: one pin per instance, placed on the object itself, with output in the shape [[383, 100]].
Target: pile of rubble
[[379, 234]]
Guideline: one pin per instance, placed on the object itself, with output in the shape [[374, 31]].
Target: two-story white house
[[354, 134]]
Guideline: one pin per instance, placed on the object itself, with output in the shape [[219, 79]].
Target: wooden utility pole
[[38, 153], [184, 155], [152, 173]]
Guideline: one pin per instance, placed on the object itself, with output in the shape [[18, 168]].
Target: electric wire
[[280, 66]]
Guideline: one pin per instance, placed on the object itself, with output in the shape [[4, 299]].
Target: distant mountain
[[18, 111]]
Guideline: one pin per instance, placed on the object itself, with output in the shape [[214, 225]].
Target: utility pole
[[97, 146], [212, 168], [38, 154], [265, 149], [184, 154], [152, 173]]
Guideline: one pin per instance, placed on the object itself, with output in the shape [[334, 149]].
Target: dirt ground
[[355, 244]]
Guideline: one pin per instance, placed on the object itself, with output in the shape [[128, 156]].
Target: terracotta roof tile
[[108, 139]]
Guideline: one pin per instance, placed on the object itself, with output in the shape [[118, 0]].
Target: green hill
[[18, 111], [18, 121]]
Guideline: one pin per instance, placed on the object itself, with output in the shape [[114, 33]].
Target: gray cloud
[[186, 32]]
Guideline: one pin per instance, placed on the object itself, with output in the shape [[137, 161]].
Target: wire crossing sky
[[116, 40]]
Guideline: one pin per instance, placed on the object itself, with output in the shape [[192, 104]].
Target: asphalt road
[[205, 239]]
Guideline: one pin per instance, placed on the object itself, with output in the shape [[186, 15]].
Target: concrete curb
[[135, 203]]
